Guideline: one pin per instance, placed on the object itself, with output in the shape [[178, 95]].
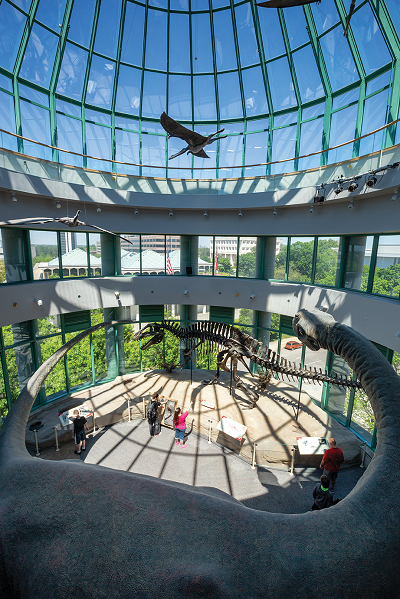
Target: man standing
[[80, 424], [331, 461]]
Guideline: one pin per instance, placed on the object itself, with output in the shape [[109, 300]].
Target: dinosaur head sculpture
[[152, 330], [312, 327]]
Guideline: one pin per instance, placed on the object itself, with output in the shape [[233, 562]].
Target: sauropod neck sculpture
[[69, 529]]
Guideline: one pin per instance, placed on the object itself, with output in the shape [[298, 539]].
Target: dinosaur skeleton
[[238, 346]]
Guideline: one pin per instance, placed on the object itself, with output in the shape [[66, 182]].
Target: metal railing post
[[253, 464], [362, 465], [292, 465], [209, 431], [36, 441], [56, 436], [144, 410], [129, 409], [94, 422]]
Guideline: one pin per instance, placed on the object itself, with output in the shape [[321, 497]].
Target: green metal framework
[[378, 13]]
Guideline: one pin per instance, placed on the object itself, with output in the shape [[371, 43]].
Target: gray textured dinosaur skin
[[70, 529], [238, 346]]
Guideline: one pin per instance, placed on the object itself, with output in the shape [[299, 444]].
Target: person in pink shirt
[[180, 426]]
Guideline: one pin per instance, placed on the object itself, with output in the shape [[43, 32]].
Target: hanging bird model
[[72, 223], [196, 142]]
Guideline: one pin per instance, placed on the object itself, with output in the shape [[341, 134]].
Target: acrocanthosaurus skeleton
[[238, 346]]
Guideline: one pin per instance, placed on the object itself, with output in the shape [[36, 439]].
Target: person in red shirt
[[180, 426], [331, 461]]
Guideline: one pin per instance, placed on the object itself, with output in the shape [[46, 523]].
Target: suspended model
[[71, 222], [196, 142]]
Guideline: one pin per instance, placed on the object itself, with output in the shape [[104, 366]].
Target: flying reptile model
[[72, 223], [285, 3], [195, 141]]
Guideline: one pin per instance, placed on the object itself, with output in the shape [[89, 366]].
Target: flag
[[170, 270], [216, 264]]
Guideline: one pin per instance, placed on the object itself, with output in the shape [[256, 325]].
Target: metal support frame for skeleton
[[237, 346]]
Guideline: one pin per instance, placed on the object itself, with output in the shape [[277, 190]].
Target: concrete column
[[188, 314], [265, 257], [336, 395], [107, 255], [122, 313], [189, 253], [109, 335], [14, 248], [354, 262]]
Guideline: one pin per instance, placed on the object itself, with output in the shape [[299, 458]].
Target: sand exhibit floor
[[270, 424]]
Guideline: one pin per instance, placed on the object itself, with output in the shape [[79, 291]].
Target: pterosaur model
[[285, 3], [195, 141], [71, 222]]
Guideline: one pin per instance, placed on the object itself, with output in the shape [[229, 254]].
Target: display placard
[[83, 411], [230, 427], [169, 411], [312, 445]]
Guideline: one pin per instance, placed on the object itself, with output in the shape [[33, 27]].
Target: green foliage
[[247, 263], [245, 317], [224, 266], [280, 263], [326, 263], [204, 253], [44, 253], [387, 280], [2, 271]]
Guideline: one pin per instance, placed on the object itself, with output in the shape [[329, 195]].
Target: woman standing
[[180, 426]]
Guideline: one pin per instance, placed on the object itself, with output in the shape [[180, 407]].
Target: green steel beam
[[392, 37], [372, 264], [316, 46], [114, 92], [214, 59], [86, 79]]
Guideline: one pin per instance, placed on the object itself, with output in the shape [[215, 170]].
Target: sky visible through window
[[97, 75]]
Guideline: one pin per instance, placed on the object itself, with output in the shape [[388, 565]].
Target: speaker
[[189, 270]]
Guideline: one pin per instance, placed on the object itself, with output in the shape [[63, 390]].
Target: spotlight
[[352, 186], [13, 197], [39, 302], [253, 295], [58, 205], [205, 213], [351, 205], [274, 212], [98, 209], [312, 208], [240, 213], [323, 308], [136, 211], [116, 294], [395, 196], [186, 292], [171, 213], [371, 181], [338, 189], [319, 197]]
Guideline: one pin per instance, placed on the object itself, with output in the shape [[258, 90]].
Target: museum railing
[[160, 184]]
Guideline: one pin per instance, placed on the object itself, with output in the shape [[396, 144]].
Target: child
[[80, 424]]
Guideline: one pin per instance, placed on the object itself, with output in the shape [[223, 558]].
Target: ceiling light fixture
[[205, 213], [98, 209], [186, 292], [274, 212], [116, 294], [171, 213], [312, 209], [39, 302], [352, 186], [58, 205], [338, 189], [371, 181], [13, 197], [351, 205], [319, 196], [395, 196], [136, 211], [253, 295], [240, 214]]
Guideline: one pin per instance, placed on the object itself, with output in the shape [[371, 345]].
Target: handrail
[[198, 168]]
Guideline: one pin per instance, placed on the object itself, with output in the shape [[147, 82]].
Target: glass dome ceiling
[[94, 76]]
